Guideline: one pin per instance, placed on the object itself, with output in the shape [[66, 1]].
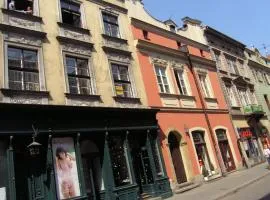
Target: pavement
[[226, 186]]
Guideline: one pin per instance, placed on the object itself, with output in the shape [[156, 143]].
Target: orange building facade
[[197, 137]]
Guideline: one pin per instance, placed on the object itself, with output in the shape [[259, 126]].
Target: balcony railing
[[253, 109]]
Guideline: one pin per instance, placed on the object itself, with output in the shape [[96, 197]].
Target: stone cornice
[[107, 4], [148, 46], [146, 26], [257, 64], [191, 110], [23, 31], [75, 42]]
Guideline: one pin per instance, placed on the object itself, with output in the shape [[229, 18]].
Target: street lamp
[[34, 147]]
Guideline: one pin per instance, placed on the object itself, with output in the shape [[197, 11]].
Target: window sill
[[74, 41], [121, 40], [210, 99], [74, 28], [179, 96], [85, 96], [19, 14], [115, 50], [8, 92], [131, 99]]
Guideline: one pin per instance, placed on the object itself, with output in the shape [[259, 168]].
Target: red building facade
[[197, 136]]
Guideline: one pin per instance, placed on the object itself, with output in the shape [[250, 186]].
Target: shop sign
[[65, 165], [245, 133]]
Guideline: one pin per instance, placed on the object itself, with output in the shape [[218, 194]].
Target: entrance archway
[[225, 149], [177, 159]]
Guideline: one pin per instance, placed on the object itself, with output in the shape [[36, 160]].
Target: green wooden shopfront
[[115, 153]]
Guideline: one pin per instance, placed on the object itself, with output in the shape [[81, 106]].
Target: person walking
[[266, 152]]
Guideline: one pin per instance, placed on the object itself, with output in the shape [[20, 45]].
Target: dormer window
[[24, 6], [145, 35], [172, 28]]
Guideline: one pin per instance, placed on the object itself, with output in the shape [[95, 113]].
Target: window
[[217, 59], [266, 78], [71, 13], [232, 65], [242, 68], [79, 79], [172, 28], [162, 79], [267, 101], [244, 99], [24, 6], [178, 44], [121, 79], [23, 72], [231, 96], [118, 154], [204, 85], [145, 34], [254, 75], [179, 76], [111, 25]]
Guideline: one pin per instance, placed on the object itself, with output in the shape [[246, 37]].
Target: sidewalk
[[225, 186]]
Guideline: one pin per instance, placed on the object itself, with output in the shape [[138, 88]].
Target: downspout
[[220, 160]]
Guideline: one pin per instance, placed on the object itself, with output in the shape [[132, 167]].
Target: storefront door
[[225, 149], [177, 159]]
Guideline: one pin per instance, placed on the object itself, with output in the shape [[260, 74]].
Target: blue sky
[[245, 20]]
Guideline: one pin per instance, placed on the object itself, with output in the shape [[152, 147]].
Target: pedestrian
[[266, 152]]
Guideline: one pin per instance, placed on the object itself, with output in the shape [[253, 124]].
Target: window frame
[[81, 25], [231, 62], [184, 87], [129, 75], [231, 95], [90, 76], [40, 64], [163, 90], [118, 24], [244, 97], [205, 85]]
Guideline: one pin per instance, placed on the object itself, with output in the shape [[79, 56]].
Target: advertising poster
[[67, 181]]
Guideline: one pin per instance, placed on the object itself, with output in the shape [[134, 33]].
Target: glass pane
[[115, 72], [114, 31], [159, 79], [118, 161], [15, 80], [71, 65], [124, 73], [31, 81], [167, 89], [157, 159], [14, 57], [73, 88], [127, 90], [119, 89], [107, 28], [30, 59], [161, 88], [84, 86]]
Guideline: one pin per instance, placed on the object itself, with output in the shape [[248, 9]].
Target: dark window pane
[[118, 161], [14, 57], [114, 31], [31, 81], [30, 59], [71, 13], [15, 80], [73, 88], [84, 86]]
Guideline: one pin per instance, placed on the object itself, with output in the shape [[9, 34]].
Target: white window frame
[[158, 72], [130, 76], [205, 85], [231, 95], [180, 77], [90, 70], [244, 97], [42, 86], [120, 35]]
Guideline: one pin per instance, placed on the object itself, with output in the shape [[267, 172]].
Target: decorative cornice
[[149, 27], [149, 46], [107, 4], [120, 40], [115, 50], [190, 110], [74, 28], [24, 31], [8, 92], [257, 64], [75, 42]]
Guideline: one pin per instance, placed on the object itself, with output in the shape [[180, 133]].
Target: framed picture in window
[[66, 172]]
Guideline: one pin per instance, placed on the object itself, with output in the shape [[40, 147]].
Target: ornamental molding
[[14, 21], [23, 39], [25, 99], [72, 48], [118, 57], [178, 65], [83, 102], [75, 35], [159, 61]]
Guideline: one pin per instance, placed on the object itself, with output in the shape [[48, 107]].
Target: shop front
[[62, 152], [251, 144]]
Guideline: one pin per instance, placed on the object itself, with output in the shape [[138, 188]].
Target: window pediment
[[160, 62]]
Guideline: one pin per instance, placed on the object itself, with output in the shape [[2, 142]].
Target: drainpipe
[[220, 160]]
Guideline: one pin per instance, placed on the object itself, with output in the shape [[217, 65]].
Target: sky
[[247, 21]]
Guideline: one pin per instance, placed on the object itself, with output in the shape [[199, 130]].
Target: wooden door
[[177, 159], [227, 155]]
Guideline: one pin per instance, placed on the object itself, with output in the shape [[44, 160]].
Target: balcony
[[253, 109]]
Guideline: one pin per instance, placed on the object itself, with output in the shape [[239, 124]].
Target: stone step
[[181, 185], [145, 196], [187, 188], [214, 178]]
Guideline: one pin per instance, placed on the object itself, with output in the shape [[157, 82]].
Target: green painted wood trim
[[11, 171], [80, 166]]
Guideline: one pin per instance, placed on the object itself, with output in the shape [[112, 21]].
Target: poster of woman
[[65, 165]]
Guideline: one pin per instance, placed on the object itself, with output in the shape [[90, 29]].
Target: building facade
[[260, 76], [73, 105], [197, 136], [239, 90]]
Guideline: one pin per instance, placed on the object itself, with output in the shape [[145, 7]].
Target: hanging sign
[[245, 133]]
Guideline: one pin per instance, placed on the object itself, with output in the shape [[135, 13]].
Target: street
[[256, 191]]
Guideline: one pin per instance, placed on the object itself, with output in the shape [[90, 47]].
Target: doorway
[[92, 169], [225, 150], [177, 158]]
